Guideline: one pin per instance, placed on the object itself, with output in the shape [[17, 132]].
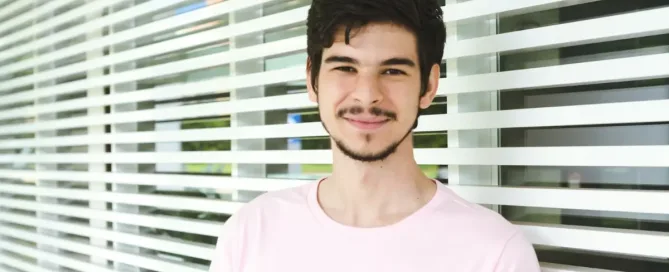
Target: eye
[[345, 69], [394, 72]]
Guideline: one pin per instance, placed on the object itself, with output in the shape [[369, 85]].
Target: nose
[[367, 90]]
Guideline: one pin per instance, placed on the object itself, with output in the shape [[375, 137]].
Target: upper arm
[[518, 255], [227, 249]]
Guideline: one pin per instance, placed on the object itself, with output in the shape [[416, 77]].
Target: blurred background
[[130, 130]]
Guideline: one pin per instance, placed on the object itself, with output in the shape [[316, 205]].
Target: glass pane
[[629, 178], [613, 262]]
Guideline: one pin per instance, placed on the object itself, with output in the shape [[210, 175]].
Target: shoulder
[[296, 195], [243, 230], [477, 225], [274, 204], [517, 254], [473, 218]]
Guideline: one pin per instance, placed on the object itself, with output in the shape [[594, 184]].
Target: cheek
[[329, 101], [333, 92], [405, 98], [409, 113]]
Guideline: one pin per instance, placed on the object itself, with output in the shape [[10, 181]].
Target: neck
[[371, 194]]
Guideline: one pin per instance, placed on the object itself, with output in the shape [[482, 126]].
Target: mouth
[[367, 124]]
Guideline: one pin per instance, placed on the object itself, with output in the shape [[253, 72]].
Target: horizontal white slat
[[187, 41], [551, 267], [630, 156], [628, 26], [16, 263], [278, 156], [168, 202], [246, 53], [49, 257], [636, 201], [4, 4], [596, 114], [12, 9], [151, 221], [138, 260], [277, 20], [209, 134], [630, 242], [479, 8], [145, 241], [191, 181], [605, 71], [583, 199], [183, 112], [68, 16], [29, 16]]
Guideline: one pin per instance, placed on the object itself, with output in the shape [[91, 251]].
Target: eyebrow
[[399, 61], [341, 59], [388, 62]]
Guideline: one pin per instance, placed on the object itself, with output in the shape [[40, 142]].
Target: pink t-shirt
[[288, 231]]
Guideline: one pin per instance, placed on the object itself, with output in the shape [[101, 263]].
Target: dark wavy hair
[[424, 18]]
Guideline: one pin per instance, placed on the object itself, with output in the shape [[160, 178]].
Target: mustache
[[376, 111]]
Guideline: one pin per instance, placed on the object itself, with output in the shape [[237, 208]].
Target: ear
[[310, 89], [432, 87]]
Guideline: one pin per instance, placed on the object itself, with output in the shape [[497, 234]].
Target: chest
[[308, 252]]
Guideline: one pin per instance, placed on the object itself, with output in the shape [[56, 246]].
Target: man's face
[[368, 90]]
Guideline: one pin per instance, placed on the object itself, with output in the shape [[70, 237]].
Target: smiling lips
[[367, 124]]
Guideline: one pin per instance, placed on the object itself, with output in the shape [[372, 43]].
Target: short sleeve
[[518, 255], [226, 254]]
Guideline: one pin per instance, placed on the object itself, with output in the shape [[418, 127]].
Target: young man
[[373, 64]]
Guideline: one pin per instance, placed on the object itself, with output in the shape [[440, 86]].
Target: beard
[[369, 156]]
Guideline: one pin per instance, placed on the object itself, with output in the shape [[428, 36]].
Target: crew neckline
[[328, 222]]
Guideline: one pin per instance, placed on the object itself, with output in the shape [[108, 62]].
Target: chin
[[366, 142], [365, 146], [365, 152]]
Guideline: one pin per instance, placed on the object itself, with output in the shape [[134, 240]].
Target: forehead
[[374, 43]]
